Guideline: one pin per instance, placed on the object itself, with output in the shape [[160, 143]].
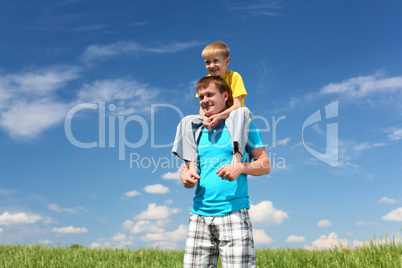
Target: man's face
[[211, 100], [217, 65]]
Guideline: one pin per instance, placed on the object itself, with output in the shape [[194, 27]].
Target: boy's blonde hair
[[217, 47]]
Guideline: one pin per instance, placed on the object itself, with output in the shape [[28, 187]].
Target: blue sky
[[91, 94]]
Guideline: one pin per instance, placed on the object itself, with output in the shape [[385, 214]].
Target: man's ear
[[226, 95], [227, 61]]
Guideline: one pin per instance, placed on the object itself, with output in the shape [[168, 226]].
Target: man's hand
[[189, 178], [230, 172]]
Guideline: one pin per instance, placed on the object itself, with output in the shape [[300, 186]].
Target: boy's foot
[[236, 159]]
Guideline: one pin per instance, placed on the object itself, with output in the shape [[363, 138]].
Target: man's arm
[[188, 174], [260, 166]]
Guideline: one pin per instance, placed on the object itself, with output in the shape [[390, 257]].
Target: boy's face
[[217, 65], [211, 100]]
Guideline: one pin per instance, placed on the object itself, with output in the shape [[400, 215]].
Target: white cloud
[[387, 200], [164, 245], [365, 146], [329, 242], [49, 220], [360, 223], [261, 8], [119, 237], [394, 215], [177, 235], [155, 212], [131, 95], [349, 150], [94, 52], [283, 142], [56, 208], [7, 191], [119, 240], [26, 119], [126, 97], [28, 103], [358, 243], [324, 223], [363, 86], [395, 134], [17, 218], [156, 189], [38, 82], [95, 245], [143, 226], [377, 242], [1, 230], [45, 242], [70, 230], [168, 202], [265, 214], [127, 224], [366, 89], [295, 239], [132, 193], [260, 237], [172, 175]]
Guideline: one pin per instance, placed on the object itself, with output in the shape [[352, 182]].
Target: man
[[219, 220]]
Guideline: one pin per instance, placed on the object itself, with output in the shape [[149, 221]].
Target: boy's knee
[[241, 111], [245, 112]]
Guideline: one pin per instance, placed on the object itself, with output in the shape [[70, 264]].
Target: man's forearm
[[258, 167]]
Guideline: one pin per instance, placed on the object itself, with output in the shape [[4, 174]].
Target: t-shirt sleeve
[[237, 86], [254, 138]]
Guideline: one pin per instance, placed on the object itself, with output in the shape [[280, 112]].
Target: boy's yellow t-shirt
[[235, 83]]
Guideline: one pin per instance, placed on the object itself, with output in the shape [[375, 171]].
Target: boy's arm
[[202, 112], [217, 119], [260, 166], [236, 104]]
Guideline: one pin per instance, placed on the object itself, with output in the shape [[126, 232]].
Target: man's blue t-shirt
[[214, 196]]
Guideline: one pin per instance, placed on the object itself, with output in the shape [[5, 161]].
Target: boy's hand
[[189, 178], [214, 120], [207, 123]]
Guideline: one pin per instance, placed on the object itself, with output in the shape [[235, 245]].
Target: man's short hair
[[220, 84], [217, 47]]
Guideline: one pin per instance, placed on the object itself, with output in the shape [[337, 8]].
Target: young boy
[[217, 59]]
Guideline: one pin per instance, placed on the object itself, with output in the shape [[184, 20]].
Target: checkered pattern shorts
[[230, 236]]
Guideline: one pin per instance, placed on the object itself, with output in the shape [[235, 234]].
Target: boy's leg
[[236, 240], [201, 246], [238, 124], [185, 144]]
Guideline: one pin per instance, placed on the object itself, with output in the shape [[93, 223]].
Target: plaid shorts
[[230, 236]]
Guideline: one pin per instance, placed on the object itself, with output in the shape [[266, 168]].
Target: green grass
[[387, 256], [40, 256], [371, 255]]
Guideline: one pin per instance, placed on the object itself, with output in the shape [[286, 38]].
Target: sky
[[91, 93]]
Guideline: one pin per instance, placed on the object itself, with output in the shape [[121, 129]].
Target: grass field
[[371, 255]]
